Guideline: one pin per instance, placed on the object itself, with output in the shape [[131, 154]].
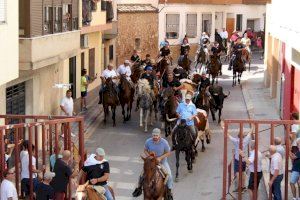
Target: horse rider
[[109, 72], [164, 43], [234, 37], [205, 82], [125, 70], [236, 52], [187, 111], [216, 51], [97, 171], [179, 73], [135, 58], [247, 42], [224, 36], [204, 39], [161, 148], [173, 83], [165, 51], [185, 47], [147, 61], [149, 76]]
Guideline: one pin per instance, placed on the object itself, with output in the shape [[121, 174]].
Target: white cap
[[188, 96], [127, 62], [49, 175], [156, 131], [100, 152]]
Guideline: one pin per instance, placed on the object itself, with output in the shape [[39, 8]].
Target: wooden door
[[92, 63], [72, 75], [230, 26]]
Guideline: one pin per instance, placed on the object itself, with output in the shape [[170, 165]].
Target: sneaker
[[137, 192]]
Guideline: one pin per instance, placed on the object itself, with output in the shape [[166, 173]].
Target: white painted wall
[[248, 11], [153, 2], [9, 44]]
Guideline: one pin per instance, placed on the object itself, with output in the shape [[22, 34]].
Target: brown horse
[[214, 68], [238, 67], [202, 124], [162, 65], [126, 96], [185, 62], [137, 71], [110, 98], [153, 185], [87, 191], [247, 56]]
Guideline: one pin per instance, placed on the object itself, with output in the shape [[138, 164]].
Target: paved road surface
[[124, 144]]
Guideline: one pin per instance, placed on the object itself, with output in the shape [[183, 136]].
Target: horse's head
[[196, 78], [150, 163], [167, 93], [109, 81]]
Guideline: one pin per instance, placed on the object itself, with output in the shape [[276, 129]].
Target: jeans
[[276, 188], [166, 165], [107, 193]]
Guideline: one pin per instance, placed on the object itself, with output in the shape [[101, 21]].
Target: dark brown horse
[[238, 67], [110, 99], [214, 68], [126, 96], [153, 185], [162, 65], [137, 71], [185, 62], [201, 58]]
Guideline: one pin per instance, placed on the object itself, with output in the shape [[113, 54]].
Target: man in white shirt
[[236, 142], [276, 173], [295, 132], [250, 162], [125, 70], [279, 148], [8, 190], [109, 72], [224, 36], [67, 104]]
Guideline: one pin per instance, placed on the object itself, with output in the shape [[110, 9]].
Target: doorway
[[230, 26], [92, 63], [72, 75]]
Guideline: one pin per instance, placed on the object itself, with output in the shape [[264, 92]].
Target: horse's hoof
[[194, 161], [203, 150], [145, 131], [196, 153], [190, 171], [176, 179], [208, 141], [141, 125]]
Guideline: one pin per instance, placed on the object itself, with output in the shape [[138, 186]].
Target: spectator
[[83, 89], [276, 173], [295, 171], [279, 147], [236, 143], [44, 191], [63, 173], [25, 181], [8, 190], [53, 156], [250, 162], [295, 132], [224, 36], [67, 104]]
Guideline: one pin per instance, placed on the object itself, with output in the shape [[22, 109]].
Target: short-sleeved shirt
[[296, 162], [109, 74], [280, 150], [44, 192], [251, 159], [8, 190], [68, 104], [122, 69], [174, 83], [24, 156], [186, 111], [135, 58], [164, 52], [97, 171], [236, 143], [83, 87], [62, 174], [296, 130], [161, 147], [276, 163], [53, 159]]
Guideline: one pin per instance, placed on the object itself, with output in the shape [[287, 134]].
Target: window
[[57, 19], [191, 25], [2, 11], [66, 14], [48, 17], [137, 43], [172, 26], [82, 60], [206, 23], [111, 52], [239, 22]]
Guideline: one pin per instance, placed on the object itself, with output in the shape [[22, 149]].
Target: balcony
[[217, 2], [95, 16], [112, 33], [38, 52]]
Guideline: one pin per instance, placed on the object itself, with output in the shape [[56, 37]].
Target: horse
[[126, 96], [153, 184], [188, 87], [201, 58], [137, 70], [146, 97], [162, 65], [247, 56], [183, 141], [216, 99], [185, 62], [169, 115], [110, 98], [238, 67], [214, 68], [202, 124]]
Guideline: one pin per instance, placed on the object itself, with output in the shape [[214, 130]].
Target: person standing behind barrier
[[63, 173], [8, 190], [279, 148], [236, 143], [295, 132], [295, 171], [276, 173], [251, 163], [44, 190]]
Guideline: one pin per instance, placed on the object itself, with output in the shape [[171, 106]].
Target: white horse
[[146, 96]]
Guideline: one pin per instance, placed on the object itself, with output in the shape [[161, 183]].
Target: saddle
[[163, 173], [95, 192]]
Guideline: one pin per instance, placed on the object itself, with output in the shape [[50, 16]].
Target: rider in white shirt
[[125, 69], [109, 72]]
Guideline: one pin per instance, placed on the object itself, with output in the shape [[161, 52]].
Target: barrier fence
[[227, 176], [45, 132]]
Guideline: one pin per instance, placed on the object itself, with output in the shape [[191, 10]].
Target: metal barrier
[[227, 168], [41, 131]]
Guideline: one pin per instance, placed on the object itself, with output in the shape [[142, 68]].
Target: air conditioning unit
[[84, 41]]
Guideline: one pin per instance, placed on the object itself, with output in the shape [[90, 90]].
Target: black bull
[[216, 100]]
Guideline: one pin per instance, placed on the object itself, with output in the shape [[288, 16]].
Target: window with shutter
[[172, 26], [206, 23], [191, 25], [3, 11]]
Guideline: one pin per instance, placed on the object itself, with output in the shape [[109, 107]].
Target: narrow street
[[124, 144]]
